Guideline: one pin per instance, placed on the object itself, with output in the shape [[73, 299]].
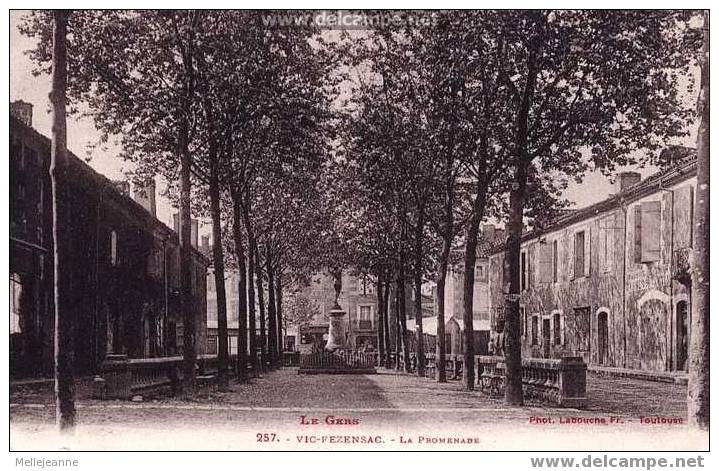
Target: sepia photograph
[[359, 230]]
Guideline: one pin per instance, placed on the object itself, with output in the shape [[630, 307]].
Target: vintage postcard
[[367, 230]]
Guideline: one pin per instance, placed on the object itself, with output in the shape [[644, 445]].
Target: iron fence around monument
[[340, 362]]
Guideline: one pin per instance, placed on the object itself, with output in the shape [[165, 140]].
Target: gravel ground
[[389, 404]]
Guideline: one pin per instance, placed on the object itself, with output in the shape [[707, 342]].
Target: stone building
[[454, 296], [358, 298], [609, 282], [233, 311], [123, 264]]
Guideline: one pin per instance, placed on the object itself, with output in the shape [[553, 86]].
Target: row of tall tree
[[490, 114], [390, 162], [236, 117]]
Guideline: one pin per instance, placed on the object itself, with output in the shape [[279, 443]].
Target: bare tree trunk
[[189, 327], [241, 288], [470, 259], [441, 282], [280, 323], [513, 347], [385, 320], [397, 327], [698, 391], [513, 394], [418, 269], [403, 314], [251, 287], [380, 321], [261, 304], [271, 312], [64, 316], [218, 263]]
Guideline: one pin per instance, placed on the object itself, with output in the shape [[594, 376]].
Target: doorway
[[546, 337], [602, 337], [682, 314]]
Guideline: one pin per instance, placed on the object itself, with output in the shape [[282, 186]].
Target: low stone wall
[[560, 381], [122, 377]]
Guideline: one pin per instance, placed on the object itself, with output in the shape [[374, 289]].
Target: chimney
[[122, 186], [627, 179], [145, 196], [22, 110], [193, 228]]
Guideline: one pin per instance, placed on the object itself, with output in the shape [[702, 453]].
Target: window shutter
[[683, 217], [572, 243], [638, 234], [544, 264], [587, 250], [579, 261], [602, 244], [651, 231], [609, 241]]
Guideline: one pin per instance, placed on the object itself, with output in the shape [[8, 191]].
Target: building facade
[[609, 282], [233, 311], [123, 264], [358, 298]]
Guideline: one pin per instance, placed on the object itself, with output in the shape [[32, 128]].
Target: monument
[[336, 340]]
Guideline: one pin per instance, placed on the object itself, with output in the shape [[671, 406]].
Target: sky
[[82, 134]]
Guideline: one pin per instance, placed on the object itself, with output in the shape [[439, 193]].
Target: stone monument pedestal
[[336, 336]]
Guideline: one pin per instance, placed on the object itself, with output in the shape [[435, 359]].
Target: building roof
[[682, 170], [80, 169]]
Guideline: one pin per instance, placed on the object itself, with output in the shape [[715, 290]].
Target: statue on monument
[[336, 335], [337, 275]]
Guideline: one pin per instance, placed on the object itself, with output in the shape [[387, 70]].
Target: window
[[555, 261], [480, 273], [578, 254], [365, 285], [581, 258], [535, 330], [113, 248], [582, 328], [647, 232], [557, 329], [290, 343], [365, 317], [212, 311], [544, 262], [523, 271], [212, 344], [606, 243], [15, 293], [523, 320]]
